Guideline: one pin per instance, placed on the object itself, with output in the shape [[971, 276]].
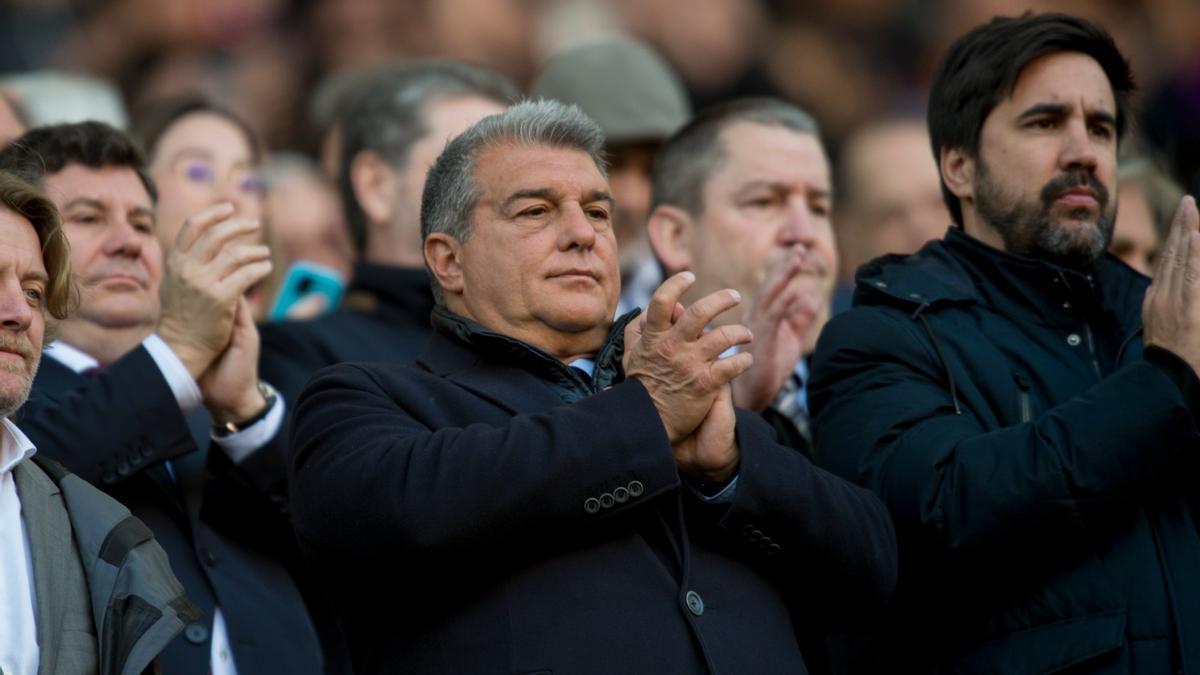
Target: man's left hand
[[230, 385], [710, 454], [779, 315]]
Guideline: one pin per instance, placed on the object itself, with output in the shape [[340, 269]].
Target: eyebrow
[[1060, 109], [89, 202], [550, 194], [36, 275], [94, 203], [823, 193]]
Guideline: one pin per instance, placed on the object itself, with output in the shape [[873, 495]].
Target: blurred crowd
[[260, 168]]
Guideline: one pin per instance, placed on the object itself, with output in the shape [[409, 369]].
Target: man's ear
[[958, 172], [671, 229], [443, 256], [375, 183]]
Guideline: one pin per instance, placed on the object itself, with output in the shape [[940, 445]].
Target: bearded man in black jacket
[[1029, 419]]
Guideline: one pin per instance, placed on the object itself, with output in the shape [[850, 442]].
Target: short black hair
[[983, 66], [49, 149], [385, 113], [691, 155]]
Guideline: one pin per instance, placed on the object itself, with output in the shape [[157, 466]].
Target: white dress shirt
[[238, 446], [18, 626]]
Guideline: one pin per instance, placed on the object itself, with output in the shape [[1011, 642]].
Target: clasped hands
[[206, 319], [678, 361]]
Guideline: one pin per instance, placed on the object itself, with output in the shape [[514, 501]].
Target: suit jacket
[[221, 524], [106, 600], [470, 521]]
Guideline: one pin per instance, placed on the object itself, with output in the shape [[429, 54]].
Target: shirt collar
[[15, 446], [69, 356]]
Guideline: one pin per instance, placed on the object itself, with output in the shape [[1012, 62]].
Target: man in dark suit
[[392, 126], [742, 198], [547, 490], [160, 405]]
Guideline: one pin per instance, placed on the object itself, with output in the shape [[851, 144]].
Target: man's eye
[[535, 211], [1102, 131], [85, 218], [34, 295], [1043, 123]]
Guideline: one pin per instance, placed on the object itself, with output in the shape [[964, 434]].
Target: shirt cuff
[[723, 496], [241, 444], [187, 392]]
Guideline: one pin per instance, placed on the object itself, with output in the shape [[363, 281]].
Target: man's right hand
[[677, 360], [1171, 310], [207, 271]]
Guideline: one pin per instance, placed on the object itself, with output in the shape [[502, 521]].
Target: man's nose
[[123, 238], [1078, 147], [16, 313], [798, 225], [576, 229]]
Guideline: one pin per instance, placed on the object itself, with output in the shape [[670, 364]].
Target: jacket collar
[[401, 289], [961, 269], [483, 360]]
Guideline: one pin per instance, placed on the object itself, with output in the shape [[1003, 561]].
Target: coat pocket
[[1057, 648]]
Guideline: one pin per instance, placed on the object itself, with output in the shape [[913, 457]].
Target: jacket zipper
[[1024, 404], [1087, 329]]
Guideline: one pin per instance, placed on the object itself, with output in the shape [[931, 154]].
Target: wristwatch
[[269, 395]]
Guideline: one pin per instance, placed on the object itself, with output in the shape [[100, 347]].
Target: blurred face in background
[[203, 159], [305, 222], [10, 126], [1135, 237], [629, 171], [892, 195]]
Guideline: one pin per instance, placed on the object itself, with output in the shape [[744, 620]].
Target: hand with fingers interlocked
[[679, 363], [207, 272]]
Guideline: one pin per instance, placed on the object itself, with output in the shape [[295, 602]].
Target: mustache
[[135, 271], [1062, 184], [19, 345]]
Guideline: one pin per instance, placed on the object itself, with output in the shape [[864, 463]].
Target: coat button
[[607, 501], [1073, 339], [755, 535], [694, 602], [209, 558], [109, 476], [636, 488], [774, 549], [147, 450], [621, 495], [591, 505], [196, 633]]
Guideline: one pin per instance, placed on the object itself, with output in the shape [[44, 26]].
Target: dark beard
[[1029, 230]]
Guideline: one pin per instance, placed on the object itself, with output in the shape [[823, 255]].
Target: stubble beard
[[1029, 229], [12, 402]]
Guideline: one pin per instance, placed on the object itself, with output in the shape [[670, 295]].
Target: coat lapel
[[50, 548], [509, 388]]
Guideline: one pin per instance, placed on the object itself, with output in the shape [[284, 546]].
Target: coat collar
[[395, 289], [963, 270], [507, 371]]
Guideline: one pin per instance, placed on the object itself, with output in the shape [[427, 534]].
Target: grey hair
[[450, 189], [687, 160], [385, 110]]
